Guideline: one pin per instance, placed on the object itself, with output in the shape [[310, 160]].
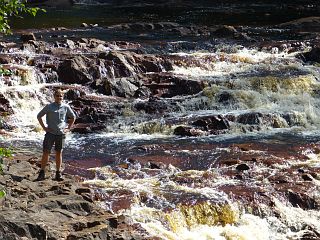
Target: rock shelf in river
[[54, 210]]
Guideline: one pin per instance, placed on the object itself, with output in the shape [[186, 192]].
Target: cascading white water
[[216, 218], [250, 78], [253, 83], [204, 194], [26, 93]]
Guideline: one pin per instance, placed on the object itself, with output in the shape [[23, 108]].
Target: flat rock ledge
[[54, 210]]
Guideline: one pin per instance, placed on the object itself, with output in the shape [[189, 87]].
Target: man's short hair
[[57, 92]]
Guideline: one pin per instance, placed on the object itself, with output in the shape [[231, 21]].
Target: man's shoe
[[58, 176], [41, 176]]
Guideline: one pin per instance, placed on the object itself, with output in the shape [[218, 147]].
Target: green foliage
[[2, 194], [7, 153], [14, 8], [5, 72], [4, 152]]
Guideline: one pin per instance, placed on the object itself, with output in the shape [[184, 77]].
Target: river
[[194, 187]]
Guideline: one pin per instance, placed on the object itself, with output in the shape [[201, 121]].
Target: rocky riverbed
[[267, 180], [183, 131], [54, 210], [150, 75]]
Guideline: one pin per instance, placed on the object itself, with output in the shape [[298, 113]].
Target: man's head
[[58, 96]]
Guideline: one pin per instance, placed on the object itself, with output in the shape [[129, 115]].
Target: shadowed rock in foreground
[[53, 210]]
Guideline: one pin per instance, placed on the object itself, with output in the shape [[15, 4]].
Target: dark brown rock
[[313, 55], [242, 167], [85, 128], [75, 70], [225, 31], [5, 59], [167, 86], [27, 37], [152, 106], [5, 108], [73, 94], [307, 177], [184, 87], [302, 200], [128, 64], [187, 131], [212, 123], [253, 118], [311, 24]]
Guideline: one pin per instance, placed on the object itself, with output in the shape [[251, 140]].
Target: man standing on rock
[[59, 119]]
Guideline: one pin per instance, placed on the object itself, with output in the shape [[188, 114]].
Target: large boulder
[[186, 131], [230, 32], [129, 64], [75, 70], [166, 85], [121, 87], [93, 112], [225, 31], [110, 65], [154, 106], [212, 123]]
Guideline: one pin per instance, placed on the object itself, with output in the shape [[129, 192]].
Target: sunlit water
[[268, 81], [270, 92]]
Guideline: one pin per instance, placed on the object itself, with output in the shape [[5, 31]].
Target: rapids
[[257, 179]]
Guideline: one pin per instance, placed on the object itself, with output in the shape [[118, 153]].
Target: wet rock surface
[[54, 210], [263, 179], [129, 70], [5, 107], [177, 80], [31, 209]]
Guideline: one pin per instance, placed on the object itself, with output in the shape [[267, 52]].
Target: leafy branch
[[14, 8], [4, 153], [5, 72]]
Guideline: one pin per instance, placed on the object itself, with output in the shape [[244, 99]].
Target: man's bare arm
[[70, 122], [42, 124]]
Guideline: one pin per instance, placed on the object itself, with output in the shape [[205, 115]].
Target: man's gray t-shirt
[[56, 116]]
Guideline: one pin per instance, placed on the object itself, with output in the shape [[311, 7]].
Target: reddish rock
[[85, 128], [5, 108], [75, 70], [32, 208], [187, 131]]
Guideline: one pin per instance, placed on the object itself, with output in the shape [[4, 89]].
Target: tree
[[14, 8]]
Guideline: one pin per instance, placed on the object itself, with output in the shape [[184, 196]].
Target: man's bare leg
[[44, 159], [58, 160], [58, 166]]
